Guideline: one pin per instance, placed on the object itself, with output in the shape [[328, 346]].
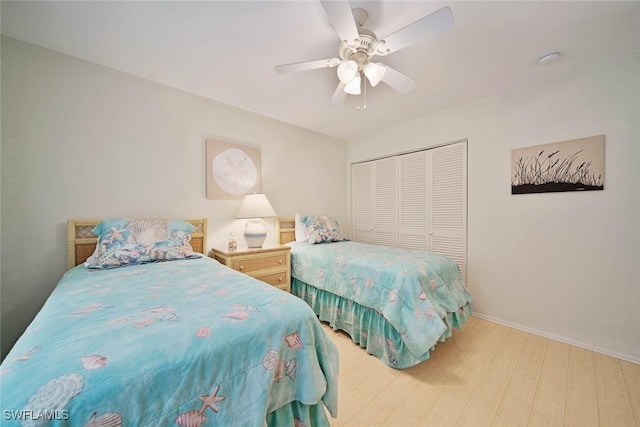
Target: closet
[[414, 200]]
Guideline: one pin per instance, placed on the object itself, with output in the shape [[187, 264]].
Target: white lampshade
[[353, 87], [255, 206], [374, 72], [347, 70]]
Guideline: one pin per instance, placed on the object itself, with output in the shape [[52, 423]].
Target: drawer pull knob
[[241, 267], [280, 279], [280, 261]]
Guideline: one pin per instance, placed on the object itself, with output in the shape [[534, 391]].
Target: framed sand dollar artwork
[[233, 169]]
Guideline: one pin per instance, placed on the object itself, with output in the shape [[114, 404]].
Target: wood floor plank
[[355, 369], [581, 408], [367, 390], [426, 384], [434, 376], [613, 402], [488, 375], [381, 407], [549, 402], [484, 402], [631, 372], [398, 391], [467, 374], [515, 406]]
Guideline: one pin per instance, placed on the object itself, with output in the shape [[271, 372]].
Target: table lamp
[[255, 207]]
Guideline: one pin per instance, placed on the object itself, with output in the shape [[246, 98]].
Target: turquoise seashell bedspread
[[397, 303], [188, 342]]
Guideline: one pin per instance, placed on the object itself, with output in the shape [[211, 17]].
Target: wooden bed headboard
[[285, 230], [81, 242]]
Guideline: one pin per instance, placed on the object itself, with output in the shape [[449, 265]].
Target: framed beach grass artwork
[[574, 165]]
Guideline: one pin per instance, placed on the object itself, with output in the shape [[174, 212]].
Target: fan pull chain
[[364, 93], [364, 83]]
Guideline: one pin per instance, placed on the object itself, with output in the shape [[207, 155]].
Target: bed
[[396, 303], [186, 342]]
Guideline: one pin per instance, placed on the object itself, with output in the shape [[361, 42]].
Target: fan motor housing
[[367, 47]]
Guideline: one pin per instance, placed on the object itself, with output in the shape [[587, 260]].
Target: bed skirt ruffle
[[368, 328]]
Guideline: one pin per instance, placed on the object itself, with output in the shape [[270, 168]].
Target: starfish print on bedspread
[[197, 418], [209, 401]]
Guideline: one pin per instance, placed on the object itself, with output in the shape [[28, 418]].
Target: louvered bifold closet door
[[413, 204], [449, 202], [362, 202], [385, 212]]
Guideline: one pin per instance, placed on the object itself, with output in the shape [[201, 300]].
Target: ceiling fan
[[359, 45]]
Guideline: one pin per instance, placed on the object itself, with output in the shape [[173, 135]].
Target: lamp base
[[255, 232]]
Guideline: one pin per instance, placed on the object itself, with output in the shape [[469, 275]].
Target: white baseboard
[[562, 339]]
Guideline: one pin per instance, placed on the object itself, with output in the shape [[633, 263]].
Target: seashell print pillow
[[322, 229], [134, 241]]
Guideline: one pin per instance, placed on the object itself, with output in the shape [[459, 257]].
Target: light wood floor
[[489, 375]]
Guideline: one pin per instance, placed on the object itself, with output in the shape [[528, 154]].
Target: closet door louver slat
[[413, 192], [362, 190], [385, 212]]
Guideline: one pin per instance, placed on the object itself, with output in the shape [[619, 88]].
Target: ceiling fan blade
[[339, 95], [341, 18], [398, 81], [308, 65], [437, 22]]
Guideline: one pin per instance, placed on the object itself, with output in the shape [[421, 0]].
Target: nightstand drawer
[[276, 279], [247, 265], [269, 264]]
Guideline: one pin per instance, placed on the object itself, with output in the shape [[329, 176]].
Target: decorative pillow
[[322, 229], [301, 229], [133, 241]]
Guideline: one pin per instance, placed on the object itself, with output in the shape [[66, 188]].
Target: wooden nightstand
[[270, 263]]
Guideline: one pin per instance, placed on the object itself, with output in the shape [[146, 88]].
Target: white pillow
[[300, 229]]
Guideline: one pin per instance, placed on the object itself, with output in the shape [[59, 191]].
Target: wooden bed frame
[[285, 230], [81, 242]]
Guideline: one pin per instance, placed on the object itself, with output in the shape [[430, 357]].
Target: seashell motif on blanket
[[112, 419], [270, 360], [27, 354], [393, 295], [293, 340], [191, 419], [55, 394], [236, 316], [147, 233], [94, 361], [169, 317], [145, 322], [290, 368], [203, 332]]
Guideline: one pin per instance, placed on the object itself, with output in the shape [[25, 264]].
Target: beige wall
[[564, 265], [83, 141]]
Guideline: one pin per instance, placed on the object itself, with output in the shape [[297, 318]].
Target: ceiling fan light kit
[[374, 72], [359, 45], [347, 71], [353, 87]]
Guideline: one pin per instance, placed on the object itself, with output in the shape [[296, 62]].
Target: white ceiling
[[227, 50]]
